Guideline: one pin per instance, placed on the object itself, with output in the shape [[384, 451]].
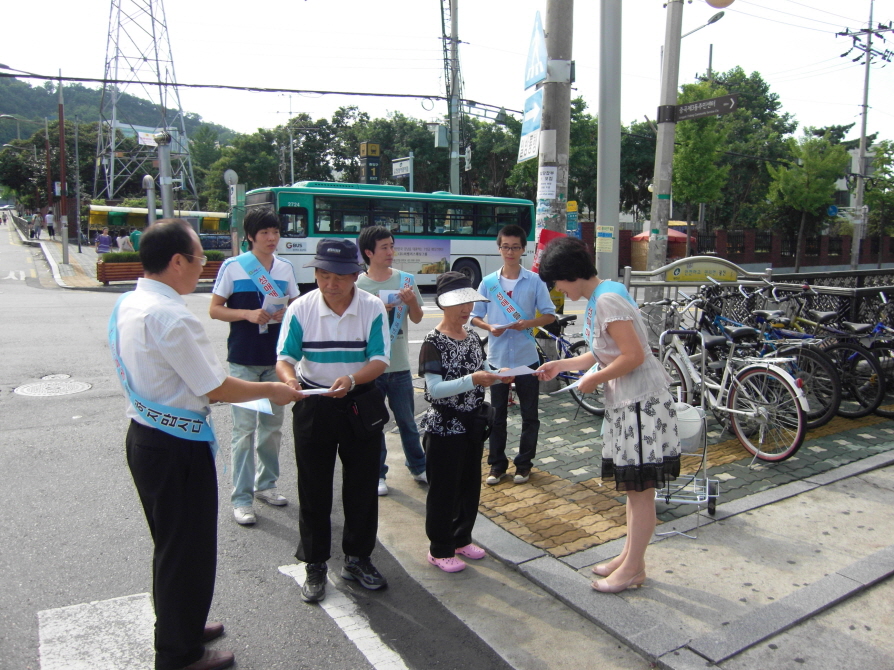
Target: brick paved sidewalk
[[566, 507]]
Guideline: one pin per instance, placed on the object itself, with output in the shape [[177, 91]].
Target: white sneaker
[[271, 497], [245, 516], [383, 487], [421, 477]]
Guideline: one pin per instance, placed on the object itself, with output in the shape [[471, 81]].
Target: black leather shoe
[[363, 571], [314, 589]]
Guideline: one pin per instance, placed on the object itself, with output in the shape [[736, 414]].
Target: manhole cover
[[55, 377], [52, 388]]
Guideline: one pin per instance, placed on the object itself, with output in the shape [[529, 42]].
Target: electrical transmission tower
[[139, 62]]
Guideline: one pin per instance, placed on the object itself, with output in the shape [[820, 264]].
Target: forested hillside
[[31, 104]]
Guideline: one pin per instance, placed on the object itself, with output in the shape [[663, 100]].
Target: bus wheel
[[470, 269]]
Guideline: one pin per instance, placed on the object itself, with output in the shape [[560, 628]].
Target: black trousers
[[453, 469], [177, 484], [323, 429], [527, 390]]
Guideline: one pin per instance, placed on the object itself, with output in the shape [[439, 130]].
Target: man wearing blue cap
[[333, 343]]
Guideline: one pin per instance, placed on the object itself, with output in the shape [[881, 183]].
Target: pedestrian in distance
[[244, 284], [170, 374], [38, 226], [641, 448], [516, 295], [123, 241], [50, 221], [453, 363], [399, 293], [333, 343], [104, 243]]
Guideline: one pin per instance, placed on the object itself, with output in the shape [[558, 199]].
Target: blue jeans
[[254, 432], [398, 388]]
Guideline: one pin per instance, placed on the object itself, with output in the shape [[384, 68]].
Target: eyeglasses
[[512, 249], [202, 259]]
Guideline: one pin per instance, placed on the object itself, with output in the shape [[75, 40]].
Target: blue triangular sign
[[535, 66]]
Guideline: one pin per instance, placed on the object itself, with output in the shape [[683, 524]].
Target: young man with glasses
[[516, 295]]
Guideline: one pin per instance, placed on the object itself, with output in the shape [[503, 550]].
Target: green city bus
[[433, 232]]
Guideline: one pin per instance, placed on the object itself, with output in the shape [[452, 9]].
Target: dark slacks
[[177, 484], [453, 469], [527, 390], [322, 429]]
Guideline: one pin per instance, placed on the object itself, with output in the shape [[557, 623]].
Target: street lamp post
[[18, 128]]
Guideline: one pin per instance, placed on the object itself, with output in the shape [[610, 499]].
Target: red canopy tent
[[673, 236]]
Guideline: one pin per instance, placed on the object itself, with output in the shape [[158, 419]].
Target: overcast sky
[[394, 46]]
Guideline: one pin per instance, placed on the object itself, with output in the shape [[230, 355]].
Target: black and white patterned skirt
[[641, 448]]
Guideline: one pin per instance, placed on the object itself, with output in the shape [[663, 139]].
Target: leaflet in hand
[[317, 391], [272, 306], [567, 388], [390, 297], [262, 405], [515, 372]]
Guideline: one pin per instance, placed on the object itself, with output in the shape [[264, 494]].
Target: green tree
[[698, 176], [807, 184], [879, 194], [254, 159], [637, 168], [756, 134]]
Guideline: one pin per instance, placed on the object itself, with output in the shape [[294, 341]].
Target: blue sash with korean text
[[406, 281], [604, 287], [257, 274], [503, 302], [174, 421]]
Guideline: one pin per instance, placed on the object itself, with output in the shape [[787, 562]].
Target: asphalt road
[[72, 530]]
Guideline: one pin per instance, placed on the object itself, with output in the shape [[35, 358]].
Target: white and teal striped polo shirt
[[324, 346]]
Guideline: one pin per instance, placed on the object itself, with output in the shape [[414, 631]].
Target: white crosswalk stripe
[[111, 634], [353, 623]]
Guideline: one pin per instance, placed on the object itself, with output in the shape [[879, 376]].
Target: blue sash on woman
[[504, 302], [604, 287], [174, 421]]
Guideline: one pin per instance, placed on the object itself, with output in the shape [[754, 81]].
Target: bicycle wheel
[[820, 380], [681, 384], [772, 426], [594, 402], [884, 353], [862, 378]]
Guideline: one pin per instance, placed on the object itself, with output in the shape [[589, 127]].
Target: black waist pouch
[[367, 411]]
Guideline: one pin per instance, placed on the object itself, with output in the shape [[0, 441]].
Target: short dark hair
[[161, 241], [369, 238], [566, 259], [512, 230], [258, 219]]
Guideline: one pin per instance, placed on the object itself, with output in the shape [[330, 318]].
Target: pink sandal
[[472, 551], [452, 564]]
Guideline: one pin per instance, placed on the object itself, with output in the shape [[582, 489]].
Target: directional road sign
[[529, 145], [711, 107]]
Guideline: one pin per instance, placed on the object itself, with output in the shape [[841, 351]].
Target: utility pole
[[63, 204], [664, 145], [454, 98], [555, 126], [77, 213], [868, 53], [608, 156], [165, 181]]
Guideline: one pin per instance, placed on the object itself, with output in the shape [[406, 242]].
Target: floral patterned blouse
[[451, 359]]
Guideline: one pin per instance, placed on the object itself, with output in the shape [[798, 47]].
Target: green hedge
[[134, 256]]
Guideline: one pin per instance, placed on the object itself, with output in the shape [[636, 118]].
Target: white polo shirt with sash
[[168, 360]]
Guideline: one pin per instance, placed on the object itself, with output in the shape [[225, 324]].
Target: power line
[[253, 89], [784, 23], [816, 9], [797, 16]]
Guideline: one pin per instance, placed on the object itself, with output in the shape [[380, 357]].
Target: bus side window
[[293, 222]]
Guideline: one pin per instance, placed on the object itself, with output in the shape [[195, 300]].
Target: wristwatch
[[353, 383]]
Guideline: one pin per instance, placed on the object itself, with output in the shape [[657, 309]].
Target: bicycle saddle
[[822, 317], [857, 328]]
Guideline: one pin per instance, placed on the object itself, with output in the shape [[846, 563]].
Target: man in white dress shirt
[[171, 375]]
